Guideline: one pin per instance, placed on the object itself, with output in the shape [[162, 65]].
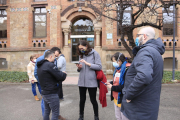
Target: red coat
[[102, 88]]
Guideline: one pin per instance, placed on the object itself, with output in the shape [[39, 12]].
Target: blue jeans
[[51, 102], [34, 88]]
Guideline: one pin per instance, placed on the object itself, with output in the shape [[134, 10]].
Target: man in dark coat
[[143, 79], [49, 76]]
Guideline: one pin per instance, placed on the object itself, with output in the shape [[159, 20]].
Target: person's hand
[[109, 86], [32, 81], [108, 83], [79, 66], [64, 72], [83, 61], [128, 101]]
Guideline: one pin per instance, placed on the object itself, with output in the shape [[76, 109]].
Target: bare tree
[[143, 13]]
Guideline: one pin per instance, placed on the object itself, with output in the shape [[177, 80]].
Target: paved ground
[[17, 103]]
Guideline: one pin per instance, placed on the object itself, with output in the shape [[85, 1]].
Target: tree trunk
[[126, 46], [131, 39]]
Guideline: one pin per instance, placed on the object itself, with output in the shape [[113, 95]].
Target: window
[[39, 0], [3, 2], [40, 22], [82, 26], [168, 62], [126, 19], [168, 22], [3, 24]]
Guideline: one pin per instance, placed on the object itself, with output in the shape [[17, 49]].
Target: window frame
[[34, 35], [3, 2], [6, 24], [170, 11]]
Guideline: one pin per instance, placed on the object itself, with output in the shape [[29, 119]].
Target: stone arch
[[69, 15], [76, 15], [75, 7]]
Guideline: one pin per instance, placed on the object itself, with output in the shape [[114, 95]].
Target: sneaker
[[61, 118], [61, 99]]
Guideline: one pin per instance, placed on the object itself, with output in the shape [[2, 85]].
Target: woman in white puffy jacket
[[32, 79]]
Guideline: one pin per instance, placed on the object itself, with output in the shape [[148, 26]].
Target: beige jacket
[[30, 71]]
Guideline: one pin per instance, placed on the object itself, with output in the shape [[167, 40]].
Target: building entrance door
[[82, 29], [75, 40]]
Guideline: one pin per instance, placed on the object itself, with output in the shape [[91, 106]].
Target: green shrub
[[167, 77], [13, 76]]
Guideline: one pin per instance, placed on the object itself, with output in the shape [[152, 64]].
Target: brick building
[[31, 26]]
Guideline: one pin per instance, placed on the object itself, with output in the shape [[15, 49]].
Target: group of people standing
[[135, 88], [50, 86]]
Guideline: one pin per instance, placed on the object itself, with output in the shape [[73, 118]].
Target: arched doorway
[[82, 29]]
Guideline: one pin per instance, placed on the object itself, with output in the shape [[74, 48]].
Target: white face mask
[[35, 60]]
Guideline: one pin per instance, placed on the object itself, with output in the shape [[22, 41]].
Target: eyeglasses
[[140, 34]]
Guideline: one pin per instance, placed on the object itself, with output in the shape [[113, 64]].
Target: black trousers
[[60, 92], [92, 94]]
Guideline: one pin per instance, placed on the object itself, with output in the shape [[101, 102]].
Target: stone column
[[66, 34], [98, 31], [66, 49]]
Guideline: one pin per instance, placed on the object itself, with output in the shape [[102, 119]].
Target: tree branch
[[145, 24]]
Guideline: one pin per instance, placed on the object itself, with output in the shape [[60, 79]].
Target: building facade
[[29, 27]]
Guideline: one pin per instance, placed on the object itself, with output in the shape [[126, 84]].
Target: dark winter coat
[[143, 82], [49, 76]]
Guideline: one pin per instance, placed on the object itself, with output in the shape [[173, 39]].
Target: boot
[[96, 118], [81, 117], [61, 118], [36, 98]]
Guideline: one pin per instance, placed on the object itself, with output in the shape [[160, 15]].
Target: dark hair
[[56, 49], [48, 53], [83, 43], [32, 56], [121, 57]]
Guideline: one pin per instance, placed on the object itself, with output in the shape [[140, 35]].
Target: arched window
[[169, 43], [44, 44], [34, 45], [39, 44], [119, 44], [164, 43]]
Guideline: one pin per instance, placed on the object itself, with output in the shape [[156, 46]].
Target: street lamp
[[174, 31]]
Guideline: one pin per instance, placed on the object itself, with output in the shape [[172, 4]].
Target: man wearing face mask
[[60, 63], [141, 92], [32, 79], [49, 76]]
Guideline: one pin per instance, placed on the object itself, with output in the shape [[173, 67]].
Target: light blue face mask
[[137, 41], [115, 64]]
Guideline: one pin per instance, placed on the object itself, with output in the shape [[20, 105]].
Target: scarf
[[121, 78]]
